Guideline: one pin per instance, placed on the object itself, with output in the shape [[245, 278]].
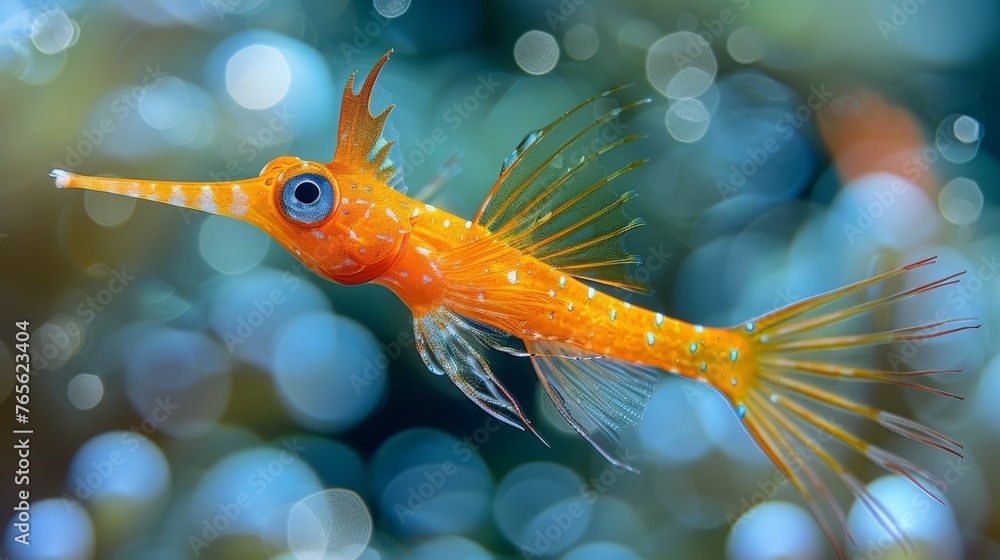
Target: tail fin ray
[[782, 400]]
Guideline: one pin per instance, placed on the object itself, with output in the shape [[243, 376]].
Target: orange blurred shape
[[865, 134]]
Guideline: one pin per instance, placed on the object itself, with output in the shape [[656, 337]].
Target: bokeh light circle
[[329, 371], [330, 525], [687, 119], [429, 483], [120, 468], [391, 8], [961, 201], [931, 525], [60, 529], [681, 64], [775, 530], [958, 138], [108, 209], [258, 76], [540, 509], [178, 381], [85, 390], [231, 246], [581, 42], [745, 45], [536, 52], [53, 31]]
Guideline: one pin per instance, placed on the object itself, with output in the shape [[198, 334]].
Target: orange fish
[[520, 277]]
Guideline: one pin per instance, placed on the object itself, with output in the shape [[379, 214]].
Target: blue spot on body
[[693, 347], [733, 354], [750, 327], [741, 410]]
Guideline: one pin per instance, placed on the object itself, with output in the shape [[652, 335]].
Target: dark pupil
[[307, 192]]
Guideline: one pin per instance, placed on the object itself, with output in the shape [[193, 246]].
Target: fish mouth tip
[[62, 178]]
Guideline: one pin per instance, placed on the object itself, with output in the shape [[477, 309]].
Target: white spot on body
[[590, 293], [447, 223], [391, 214], [659, 319], [152, 196], [650, 339], [319, 234], [423, 251], [429, 208], [206, 200], [570, 306], [614, 314], [240, 200], [177, 197], [628, 305], [133, 190], [698, 328], [562, 281], [386, 238], [468, 225], [351, 233], [512, 277], [552, 293], [426, 279]]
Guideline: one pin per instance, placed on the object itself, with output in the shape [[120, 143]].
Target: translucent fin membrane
[[784, 398], [597, 395], [447, 344], [553, 199]]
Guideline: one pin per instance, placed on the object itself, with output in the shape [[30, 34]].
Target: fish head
[[332, 220]]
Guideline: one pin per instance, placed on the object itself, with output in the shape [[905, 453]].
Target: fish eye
[[307, 198]]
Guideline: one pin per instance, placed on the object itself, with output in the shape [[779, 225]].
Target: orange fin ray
[[553, 199], [368, 143], [782, 396], [796, 310]]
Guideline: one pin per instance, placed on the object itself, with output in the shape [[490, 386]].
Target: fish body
[[523, 275]]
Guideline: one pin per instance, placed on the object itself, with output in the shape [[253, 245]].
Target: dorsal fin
[[552, 199], [366, 142]]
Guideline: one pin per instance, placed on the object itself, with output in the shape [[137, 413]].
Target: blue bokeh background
[[198, 393]]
